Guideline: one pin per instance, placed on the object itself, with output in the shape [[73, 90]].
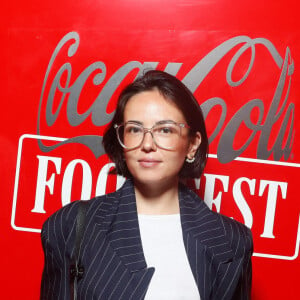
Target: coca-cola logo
[[244, 88], [63, 89]]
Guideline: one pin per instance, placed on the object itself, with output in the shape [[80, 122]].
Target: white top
[[164, 250]]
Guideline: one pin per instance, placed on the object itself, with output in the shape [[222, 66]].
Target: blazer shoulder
[[60, 225], [239, 236]]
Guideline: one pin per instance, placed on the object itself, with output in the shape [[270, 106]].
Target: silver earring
[[190, 160]]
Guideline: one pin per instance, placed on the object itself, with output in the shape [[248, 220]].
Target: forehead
[[151, 107]]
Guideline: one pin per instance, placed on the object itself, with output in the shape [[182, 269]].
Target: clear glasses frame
[[165, 134]]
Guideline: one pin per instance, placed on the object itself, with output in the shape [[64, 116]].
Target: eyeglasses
[[165, 134]]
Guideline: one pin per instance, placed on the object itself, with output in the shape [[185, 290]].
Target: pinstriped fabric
[[218, 249]]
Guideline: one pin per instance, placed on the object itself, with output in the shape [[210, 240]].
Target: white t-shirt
[[164, 250]]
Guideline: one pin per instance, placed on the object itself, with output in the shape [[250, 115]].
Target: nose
[[148, 143]]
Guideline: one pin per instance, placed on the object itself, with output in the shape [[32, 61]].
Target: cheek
[[129, 157], [128, 154], [183, 149], [177, 158]]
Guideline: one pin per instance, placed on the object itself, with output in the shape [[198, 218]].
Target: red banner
[[64, 65]]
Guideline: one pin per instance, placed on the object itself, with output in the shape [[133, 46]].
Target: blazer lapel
[[207, 246], [117, 222], [123, 232], [113, 243]]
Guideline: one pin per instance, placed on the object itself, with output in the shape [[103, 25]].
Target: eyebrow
[[156, 123], [134, 121], [164, 121]]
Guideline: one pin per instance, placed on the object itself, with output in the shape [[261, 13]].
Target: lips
[[148, 162]]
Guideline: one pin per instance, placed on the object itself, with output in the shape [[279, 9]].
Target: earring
[[190, 160]]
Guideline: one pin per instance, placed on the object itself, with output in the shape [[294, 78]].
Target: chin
[[154, 179]]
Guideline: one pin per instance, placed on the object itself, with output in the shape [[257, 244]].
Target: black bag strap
[[77, 270]]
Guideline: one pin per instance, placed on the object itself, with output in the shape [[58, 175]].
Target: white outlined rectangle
[[243, 159]]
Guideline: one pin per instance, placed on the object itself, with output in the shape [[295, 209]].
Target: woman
[[153, 238]]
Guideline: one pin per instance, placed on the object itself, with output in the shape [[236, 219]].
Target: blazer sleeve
[[57, 236], [51, 268], [243, 289]]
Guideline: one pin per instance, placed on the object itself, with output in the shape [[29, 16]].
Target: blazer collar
[[120, 223], [207, 246], [202, 224]]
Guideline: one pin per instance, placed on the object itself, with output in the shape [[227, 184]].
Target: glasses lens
[[167, 135], [130, 135]]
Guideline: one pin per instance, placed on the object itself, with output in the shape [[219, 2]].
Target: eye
[[166, 129], [133, 129]]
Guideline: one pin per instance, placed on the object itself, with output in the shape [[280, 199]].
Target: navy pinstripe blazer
[[218, 248]]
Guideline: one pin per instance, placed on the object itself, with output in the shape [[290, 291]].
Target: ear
[[195, 142]]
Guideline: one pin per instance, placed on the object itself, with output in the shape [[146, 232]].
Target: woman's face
[[150, 163]]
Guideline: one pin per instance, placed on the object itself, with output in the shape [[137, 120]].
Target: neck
[[158, 199]]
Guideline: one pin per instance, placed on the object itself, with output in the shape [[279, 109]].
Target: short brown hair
[[176, 92]]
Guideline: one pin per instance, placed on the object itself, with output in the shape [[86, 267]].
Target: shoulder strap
[[77, 270]]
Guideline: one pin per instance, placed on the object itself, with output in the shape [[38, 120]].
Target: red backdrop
[[63, 64]]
